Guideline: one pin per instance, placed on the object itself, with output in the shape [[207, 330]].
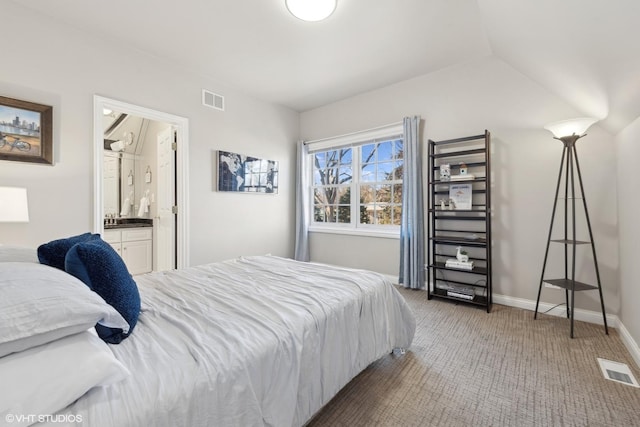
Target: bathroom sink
[[128, 223]]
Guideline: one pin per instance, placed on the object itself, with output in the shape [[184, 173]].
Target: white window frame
[[353, 141]]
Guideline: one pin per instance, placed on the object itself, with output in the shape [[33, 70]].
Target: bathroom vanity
[[133, 240]]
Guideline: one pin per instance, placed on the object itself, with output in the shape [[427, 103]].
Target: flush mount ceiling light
[[311, 10]]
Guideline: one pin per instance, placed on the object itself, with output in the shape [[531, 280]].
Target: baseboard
[[589, 316], [547, 308], [630, 343]]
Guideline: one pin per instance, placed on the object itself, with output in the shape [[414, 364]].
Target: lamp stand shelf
[[569, 166]]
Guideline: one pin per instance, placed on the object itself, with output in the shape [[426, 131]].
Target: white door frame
[[181, 125]]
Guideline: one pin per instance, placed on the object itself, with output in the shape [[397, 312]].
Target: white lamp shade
[[13, 205], [570, 127], [311, 10]]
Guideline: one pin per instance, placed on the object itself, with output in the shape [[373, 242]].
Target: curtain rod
[[347, 135]]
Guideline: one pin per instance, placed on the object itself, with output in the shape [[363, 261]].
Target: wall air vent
[[212, 100]]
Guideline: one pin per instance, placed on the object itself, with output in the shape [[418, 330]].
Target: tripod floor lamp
[[569, 131]]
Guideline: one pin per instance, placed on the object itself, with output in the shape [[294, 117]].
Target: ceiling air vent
[[212, 100]]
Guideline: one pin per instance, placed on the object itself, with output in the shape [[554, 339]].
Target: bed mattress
[[255, 341]]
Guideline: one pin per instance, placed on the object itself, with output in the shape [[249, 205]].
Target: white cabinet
[[135, 247]]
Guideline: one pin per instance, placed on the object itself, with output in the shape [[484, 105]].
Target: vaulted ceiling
[[585, 51]]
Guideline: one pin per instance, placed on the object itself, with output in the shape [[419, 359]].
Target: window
[[358, 186]]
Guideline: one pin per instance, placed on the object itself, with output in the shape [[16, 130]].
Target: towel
[[125, 207], [144, 207]]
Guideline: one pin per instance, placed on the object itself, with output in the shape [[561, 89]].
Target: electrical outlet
[[550, 286]]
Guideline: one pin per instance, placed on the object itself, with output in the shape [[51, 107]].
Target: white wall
[[54, 64], [465, 100], [628, 147]]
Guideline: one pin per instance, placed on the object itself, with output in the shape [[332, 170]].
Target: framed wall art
[[26, 131], [246, 174]]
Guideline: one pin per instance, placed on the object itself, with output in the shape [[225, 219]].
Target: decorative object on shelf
[[28, 135], [466, 225], [461, 195], [443, 205], [569, 131], [147, 175], [463, 168], [463, 292], [462, 255], [311, 11], [246, 174], [460, 265], [13, 204], [130, 178], [445, 172]]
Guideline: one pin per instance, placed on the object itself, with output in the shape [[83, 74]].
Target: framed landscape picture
[[246, 174], [26, 131]]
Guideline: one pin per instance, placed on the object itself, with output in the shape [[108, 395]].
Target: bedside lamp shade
[[570, 127], [13, 205]]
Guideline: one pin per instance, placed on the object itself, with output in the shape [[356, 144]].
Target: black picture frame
[[246, 174]]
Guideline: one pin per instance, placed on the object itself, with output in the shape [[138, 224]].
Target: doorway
[[171, 180]]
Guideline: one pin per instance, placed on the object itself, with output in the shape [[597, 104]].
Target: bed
[[254, 341]]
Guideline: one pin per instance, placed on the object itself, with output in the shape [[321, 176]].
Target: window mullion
[[355, 187]]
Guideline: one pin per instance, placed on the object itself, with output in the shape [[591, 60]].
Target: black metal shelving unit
[[466, 228]]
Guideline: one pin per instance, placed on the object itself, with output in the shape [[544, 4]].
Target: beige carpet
[[470, 368]]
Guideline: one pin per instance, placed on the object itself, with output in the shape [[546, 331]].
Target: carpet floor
[[469, 368]]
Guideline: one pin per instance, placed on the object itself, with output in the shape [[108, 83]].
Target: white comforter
[[258, 341]]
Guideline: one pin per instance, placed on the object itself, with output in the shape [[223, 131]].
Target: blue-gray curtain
[[302, 203], [412, 243]]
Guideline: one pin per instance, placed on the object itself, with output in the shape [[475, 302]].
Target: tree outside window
[[363, 182]]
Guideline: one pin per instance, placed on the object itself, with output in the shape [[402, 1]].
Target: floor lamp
[[569, 131]]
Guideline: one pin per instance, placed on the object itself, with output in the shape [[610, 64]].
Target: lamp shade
[[13, 205], [311, 10], [570, 127]]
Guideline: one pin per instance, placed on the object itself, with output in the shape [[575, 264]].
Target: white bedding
[[258, 341]]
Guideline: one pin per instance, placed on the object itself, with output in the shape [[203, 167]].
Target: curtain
[[302, 204], [412, 243]]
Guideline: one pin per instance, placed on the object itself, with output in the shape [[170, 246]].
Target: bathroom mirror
[[120, 163]]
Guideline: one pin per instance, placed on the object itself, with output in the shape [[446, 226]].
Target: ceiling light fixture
[[311, 10]]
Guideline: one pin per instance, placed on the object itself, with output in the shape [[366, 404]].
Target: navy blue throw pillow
[[100, 267], [54, 252]]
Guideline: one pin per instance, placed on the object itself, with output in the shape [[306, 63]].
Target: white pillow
[[39, 304], [45, 379], [17, 254]]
